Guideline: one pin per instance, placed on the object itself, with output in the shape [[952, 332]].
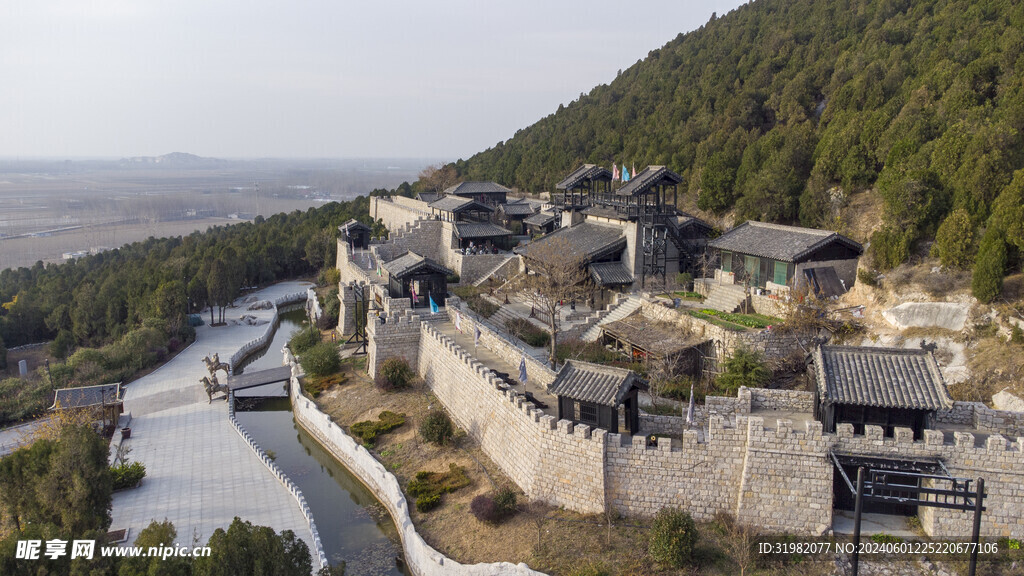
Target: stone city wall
[[396, 216], [985, 419], [999, 460], [785, 400], [420, 557], [770, 305], [552, 461], [349, 270], [397, 336], [510, 353]]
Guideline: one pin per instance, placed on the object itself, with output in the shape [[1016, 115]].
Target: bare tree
[[556, 277], [439, 178], [738, 542], [663, 372]]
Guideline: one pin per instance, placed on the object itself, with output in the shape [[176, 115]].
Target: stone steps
[[623, 308], [725, 298]]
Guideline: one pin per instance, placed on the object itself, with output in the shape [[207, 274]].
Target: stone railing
[[257, 343], [420, 557]]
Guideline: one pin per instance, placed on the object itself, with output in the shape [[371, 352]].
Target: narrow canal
[[354, 527]]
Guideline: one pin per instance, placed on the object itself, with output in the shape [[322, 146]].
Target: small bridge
[[247, 380]]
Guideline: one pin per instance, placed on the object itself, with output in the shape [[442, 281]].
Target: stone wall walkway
[[200, 473]]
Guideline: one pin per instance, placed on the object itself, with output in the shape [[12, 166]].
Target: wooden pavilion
[[417, 278], [594, 395]]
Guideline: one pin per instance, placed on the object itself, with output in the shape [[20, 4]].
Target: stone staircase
[[624, 307], [494, 272], [725, 297]]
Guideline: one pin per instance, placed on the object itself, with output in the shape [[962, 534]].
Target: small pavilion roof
[[588, 239], [610, 274], [412, 262], [86, 396], [883, 377], [650, 177], [459, 204], [480, 230], [475, 189], [540, 218], [582, 174], [353, 225], [586, 382], [517, 208]]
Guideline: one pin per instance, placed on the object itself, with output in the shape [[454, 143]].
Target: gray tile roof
[[582, 174], [412, 262], [459, 204], [647, 179], [885, 377], [541, 218], [659, 338], [587, 239], [480, 230], [604, 385], [517, 209], [428, 197], [610, 274], [353, 225], [87, 396], [475, 188], [779, 242]]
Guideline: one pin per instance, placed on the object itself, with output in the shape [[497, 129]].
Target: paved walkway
[[14, 437], [200, 474]]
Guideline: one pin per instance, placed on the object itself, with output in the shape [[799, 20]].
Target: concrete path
[[200, 474], [14, 437]]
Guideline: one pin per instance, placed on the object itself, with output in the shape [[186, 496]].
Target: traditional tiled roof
[[480, 230], [684, 220], [541, 218], [779, 242], [476, 188], [610, 274], [353, 225], [586, 382], [85, 396], [412, 262], [459, 204], [517, 209], [587, 239], [582, 174], [428, 197], [885, 377], [650, 177]]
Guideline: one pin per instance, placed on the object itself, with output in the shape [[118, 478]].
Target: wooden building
[[490, 193], [774, 257], [417, 278], [511, 213], [102, 400], [598, 395], [581, 186], [541, 223], [456, 209], [886, 387], [641, 339]]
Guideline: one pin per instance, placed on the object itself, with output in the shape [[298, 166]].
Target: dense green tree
[[247, 550], [990, 266], [954, 240], [157, 534], [744, 368]]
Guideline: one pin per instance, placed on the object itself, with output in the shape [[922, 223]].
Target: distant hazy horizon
[[263, 80]]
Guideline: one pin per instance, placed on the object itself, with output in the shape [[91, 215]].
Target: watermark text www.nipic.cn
[[54, 549]]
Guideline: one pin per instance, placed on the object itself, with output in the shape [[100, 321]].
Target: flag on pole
[[625, 173], [689, 411], [415, 298], [433, 305], [634, 169], [476, 335], [458, 321], [615, 173], [522, 369]]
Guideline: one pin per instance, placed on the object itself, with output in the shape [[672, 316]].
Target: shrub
[[867, 277], [128, 475], [889, 248], [368, 430], [331, 276], [62, 344], [452, 279], [744, 368], [989, 267], [954, 238], [684, 280], [302, 340], [437, 428], [321, 360], [483, 508], [428, 502], [395, 374], [673, 537], [505, 502], [883, 538], [525, 330], [473, 297], [1017, 335]]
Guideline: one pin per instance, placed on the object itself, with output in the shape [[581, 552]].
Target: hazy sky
[[326, 78]]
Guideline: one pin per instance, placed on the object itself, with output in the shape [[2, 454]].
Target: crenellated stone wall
[[397, 336], [977, 415], [552, 461], [396, 214]]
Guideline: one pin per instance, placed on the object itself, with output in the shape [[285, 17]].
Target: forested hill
[[765, 109]]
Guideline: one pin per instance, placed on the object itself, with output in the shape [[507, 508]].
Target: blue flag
[[625, 173], [433, 305], [522, 370]]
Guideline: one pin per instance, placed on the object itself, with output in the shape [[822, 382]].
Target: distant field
[[47, 210]]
